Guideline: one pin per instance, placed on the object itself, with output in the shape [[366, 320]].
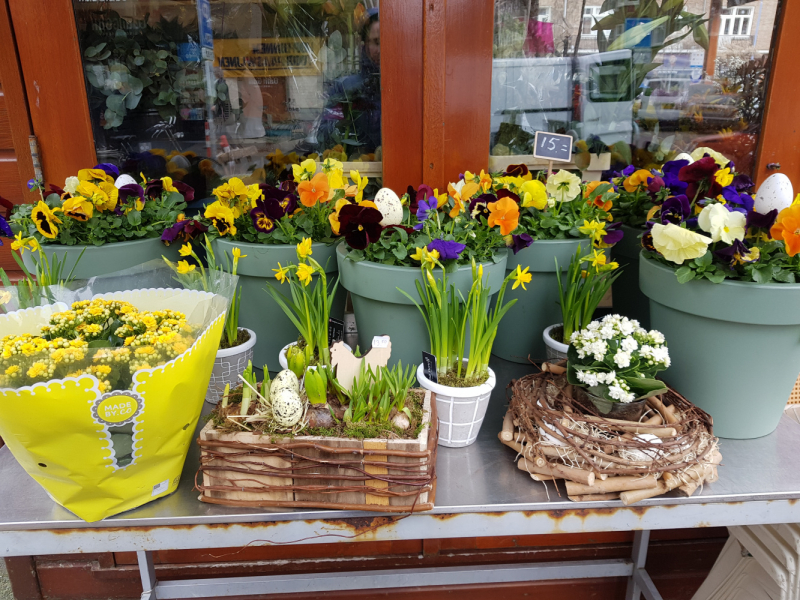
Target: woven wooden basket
[[247, 469]]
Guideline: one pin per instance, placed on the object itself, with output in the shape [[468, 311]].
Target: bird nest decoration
[[559, 436]]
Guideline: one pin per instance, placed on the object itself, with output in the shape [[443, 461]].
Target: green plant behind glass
[[32, 289], [585, 289]]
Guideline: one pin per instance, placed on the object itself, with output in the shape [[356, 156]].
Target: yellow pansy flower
[[304, 170], [168, 187], [533, 193]]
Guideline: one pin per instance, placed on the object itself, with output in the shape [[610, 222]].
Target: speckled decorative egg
[[287, 407], [124, 180], [389, 206], [684, 156], [775, 192], [285, 380]]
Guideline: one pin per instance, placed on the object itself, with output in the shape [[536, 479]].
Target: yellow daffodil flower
[[594, 230], [427, 258], [360, 183], [237, 254], [304, 273], [21, 244], [184, 267], [304, 249], [280, 273], [521, 277], [186, 250]]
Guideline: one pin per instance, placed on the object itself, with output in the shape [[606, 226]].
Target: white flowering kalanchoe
[[617, 358]]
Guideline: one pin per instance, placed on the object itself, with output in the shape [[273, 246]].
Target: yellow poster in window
[[268, 57]]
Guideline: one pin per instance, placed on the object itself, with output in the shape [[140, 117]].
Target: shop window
[[632, 82], [236, 88]]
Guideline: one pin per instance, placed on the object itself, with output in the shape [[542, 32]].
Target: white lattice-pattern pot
[[460, 410], [229, 364], [555, 350]]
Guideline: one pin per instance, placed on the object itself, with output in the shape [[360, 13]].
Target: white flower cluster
[[630, 339], [617, 388]]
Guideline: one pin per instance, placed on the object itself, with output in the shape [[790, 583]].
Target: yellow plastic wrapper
[[104, 430]]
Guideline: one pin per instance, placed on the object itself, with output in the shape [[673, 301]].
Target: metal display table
[[480, 493]]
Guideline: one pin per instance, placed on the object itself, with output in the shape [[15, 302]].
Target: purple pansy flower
[[110, 169], [185, 230], [131, 190], [734, 253], [742, 182], [156, 187], [5, 229], [675, 210], [614, 234], [479, 206], [520, 242], [425, 209], [447, 249], [628, 171], [755, 219]]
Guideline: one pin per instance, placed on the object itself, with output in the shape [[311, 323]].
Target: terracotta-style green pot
[[629, 301], [108, 258], [735, 346], [520, 332], [380, 309], [258, 311]]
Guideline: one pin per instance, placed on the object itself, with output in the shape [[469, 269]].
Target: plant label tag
[[160, 488], [380, 341], [335, 330], [553, 146], [429, 367]]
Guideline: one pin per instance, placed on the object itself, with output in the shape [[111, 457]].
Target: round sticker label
[[118, 407]]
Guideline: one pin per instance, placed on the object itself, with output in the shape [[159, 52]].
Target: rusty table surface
[[480, 492]]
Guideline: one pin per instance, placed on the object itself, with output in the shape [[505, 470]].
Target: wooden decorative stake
[[348, 366]]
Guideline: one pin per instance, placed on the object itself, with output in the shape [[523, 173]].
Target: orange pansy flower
[[639, 178], [315, 190], [596, 198], [787, 228], [504, 213]]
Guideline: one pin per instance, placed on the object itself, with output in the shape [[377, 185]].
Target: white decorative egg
[[389, 206], [684, 156], [775, 192], [287, 408], [124, 180], [286, 379]]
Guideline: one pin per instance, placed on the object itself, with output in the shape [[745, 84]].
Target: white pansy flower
[[71, 185], [563, 186], [722, 224]]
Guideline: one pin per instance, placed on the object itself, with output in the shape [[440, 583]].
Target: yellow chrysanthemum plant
[[191, 273], [527, 208], [307, 206], [308, 304], [98, 206]]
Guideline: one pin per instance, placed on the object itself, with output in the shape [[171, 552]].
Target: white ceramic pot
[[229, 364], [555, 350], [461, 410], [282, 356]]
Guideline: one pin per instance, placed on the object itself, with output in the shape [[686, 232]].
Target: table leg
[[639, 582], [147, 570]]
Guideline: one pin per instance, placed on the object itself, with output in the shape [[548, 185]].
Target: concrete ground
[[5, 584]]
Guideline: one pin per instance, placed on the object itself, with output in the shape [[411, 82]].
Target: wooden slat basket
[[386, 475]]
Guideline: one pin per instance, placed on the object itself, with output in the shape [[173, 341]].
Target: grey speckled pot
[[258, 311], [108, 258], [520, 332], [380, 309], [629, 301], [735, 346]]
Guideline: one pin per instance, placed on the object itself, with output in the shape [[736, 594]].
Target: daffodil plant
[[197, 277], [449, 317], [589, 277], [32, 288], [307, 306], [92, 210]]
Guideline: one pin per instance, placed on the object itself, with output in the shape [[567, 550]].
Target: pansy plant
[[97, 207]]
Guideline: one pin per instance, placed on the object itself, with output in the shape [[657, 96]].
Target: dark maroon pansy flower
[[520, 242], [516, 171], [156, 187], [479, 205], [698, 171], [755, 219], [184, 231], [54, 189], [504, 193], [360, 225]]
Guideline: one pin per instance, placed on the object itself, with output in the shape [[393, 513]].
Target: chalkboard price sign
[[553, 146]]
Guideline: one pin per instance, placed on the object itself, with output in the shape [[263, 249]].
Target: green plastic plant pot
[[380, 309], [629, 301], [520, 332], [735, 346], [258, 311], [108, 258]]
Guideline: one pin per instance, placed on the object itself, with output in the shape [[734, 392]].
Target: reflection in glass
[[640, 80], [280, 81]]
